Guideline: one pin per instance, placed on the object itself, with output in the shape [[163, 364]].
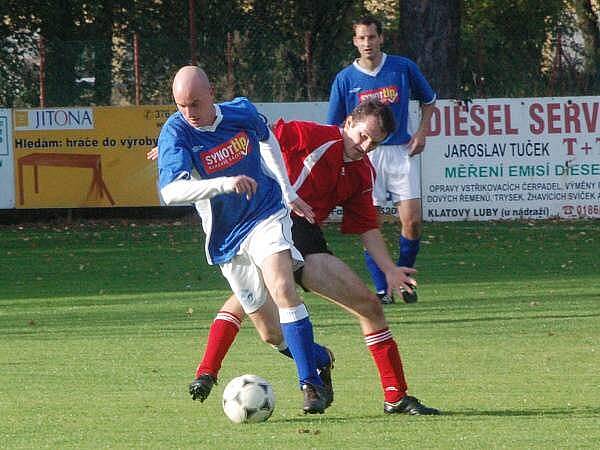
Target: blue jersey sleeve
[[174, 158], [419, 86], [336, 113]]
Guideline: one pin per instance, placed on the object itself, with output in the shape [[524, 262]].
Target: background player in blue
[[393, 80], [209, 155]]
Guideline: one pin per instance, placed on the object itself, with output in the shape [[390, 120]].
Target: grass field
[[102, 325]]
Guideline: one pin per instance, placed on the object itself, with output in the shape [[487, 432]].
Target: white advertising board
[[502, 159], [309, 111], [7, 187]]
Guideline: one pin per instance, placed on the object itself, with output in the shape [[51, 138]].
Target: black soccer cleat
[[200, 388], [410, 297], [325, 375], [409, 405], [386, 299], [315, 399]]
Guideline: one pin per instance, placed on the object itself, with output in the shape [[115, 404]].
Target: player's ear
[[348, 123]]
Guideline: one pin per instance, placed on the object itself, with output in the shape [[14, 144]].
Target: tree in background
[[502, 45], [429, 35], [289, 50], [588, 19], [59, 24], [101, 17], [18, 70]]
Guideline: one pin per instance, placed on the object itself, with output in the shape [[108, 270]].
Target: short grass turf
[[102, 325]]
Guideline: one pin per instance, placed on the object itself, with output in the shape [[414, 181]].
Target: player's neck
[[370, 64]]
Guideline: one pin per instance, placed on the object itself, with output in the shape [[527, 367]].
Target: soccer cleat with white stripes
[[409, 405], [386, 299]]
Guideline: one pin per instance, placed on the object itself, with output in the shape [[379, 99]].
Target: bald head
[[193, 95], [189, 78]]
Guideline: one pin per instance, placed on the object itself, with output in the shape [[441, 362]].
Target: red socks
[[381, 344], [385, 353], [222, 333]]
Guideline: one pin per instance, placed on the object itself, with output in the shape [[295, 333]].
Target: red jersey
[[314, 159]]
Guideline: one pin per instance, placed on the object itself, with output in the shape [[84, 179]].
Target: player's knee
[[371, 309], [283, 292], [272, 336], [411, 228]]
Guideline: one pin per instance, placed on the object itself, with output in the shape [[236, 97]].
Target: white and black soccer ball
[[248, 398]]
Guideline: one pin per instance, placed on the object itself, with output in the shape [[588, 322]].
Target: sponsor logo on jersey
[[386, 95], [226, 154]]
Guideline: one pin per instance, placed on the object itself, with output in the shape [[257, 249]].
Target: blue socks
[[408, 251], [298, 332], [321, 356], [377, 275], [408, 254]]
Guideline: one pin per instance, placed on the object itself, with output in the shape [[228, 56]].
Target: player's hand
[[152, 154], [399, 278], [243, 184], [416, 144], [303, 209]]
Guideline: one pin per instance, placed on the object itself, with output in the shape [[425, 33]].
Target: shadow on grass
[[308, 421], [499, 318], [553, 412], [94, 323]]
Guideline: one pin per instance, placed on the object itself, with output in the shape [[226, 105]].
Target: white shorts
[[243, 272], [397, 174]]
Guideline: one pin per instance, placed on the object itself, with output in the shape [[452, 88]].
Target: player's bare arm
[[418, 140], [398, 278]]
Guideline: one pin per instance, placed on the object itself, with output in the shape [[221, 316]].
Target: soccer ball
[[248, 398]]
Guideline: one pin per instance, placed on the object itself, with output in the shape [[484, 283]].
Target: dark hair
[[368, 20], [374, 107]]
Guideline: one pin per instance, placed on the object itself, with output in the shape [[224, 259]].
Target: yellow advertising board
[[86, 157]]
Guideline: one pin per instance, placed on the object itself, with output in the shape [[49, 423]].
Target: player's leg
[[246, 280], [296, 328], [410, 216], [270, 247], [331, 278], [402, 177], [274, 337], [221, 335], [226, 325], [386, 168]]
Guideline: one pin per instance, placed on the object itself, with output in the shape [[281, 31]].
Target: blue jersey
[[396, 81], [229, 147]]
